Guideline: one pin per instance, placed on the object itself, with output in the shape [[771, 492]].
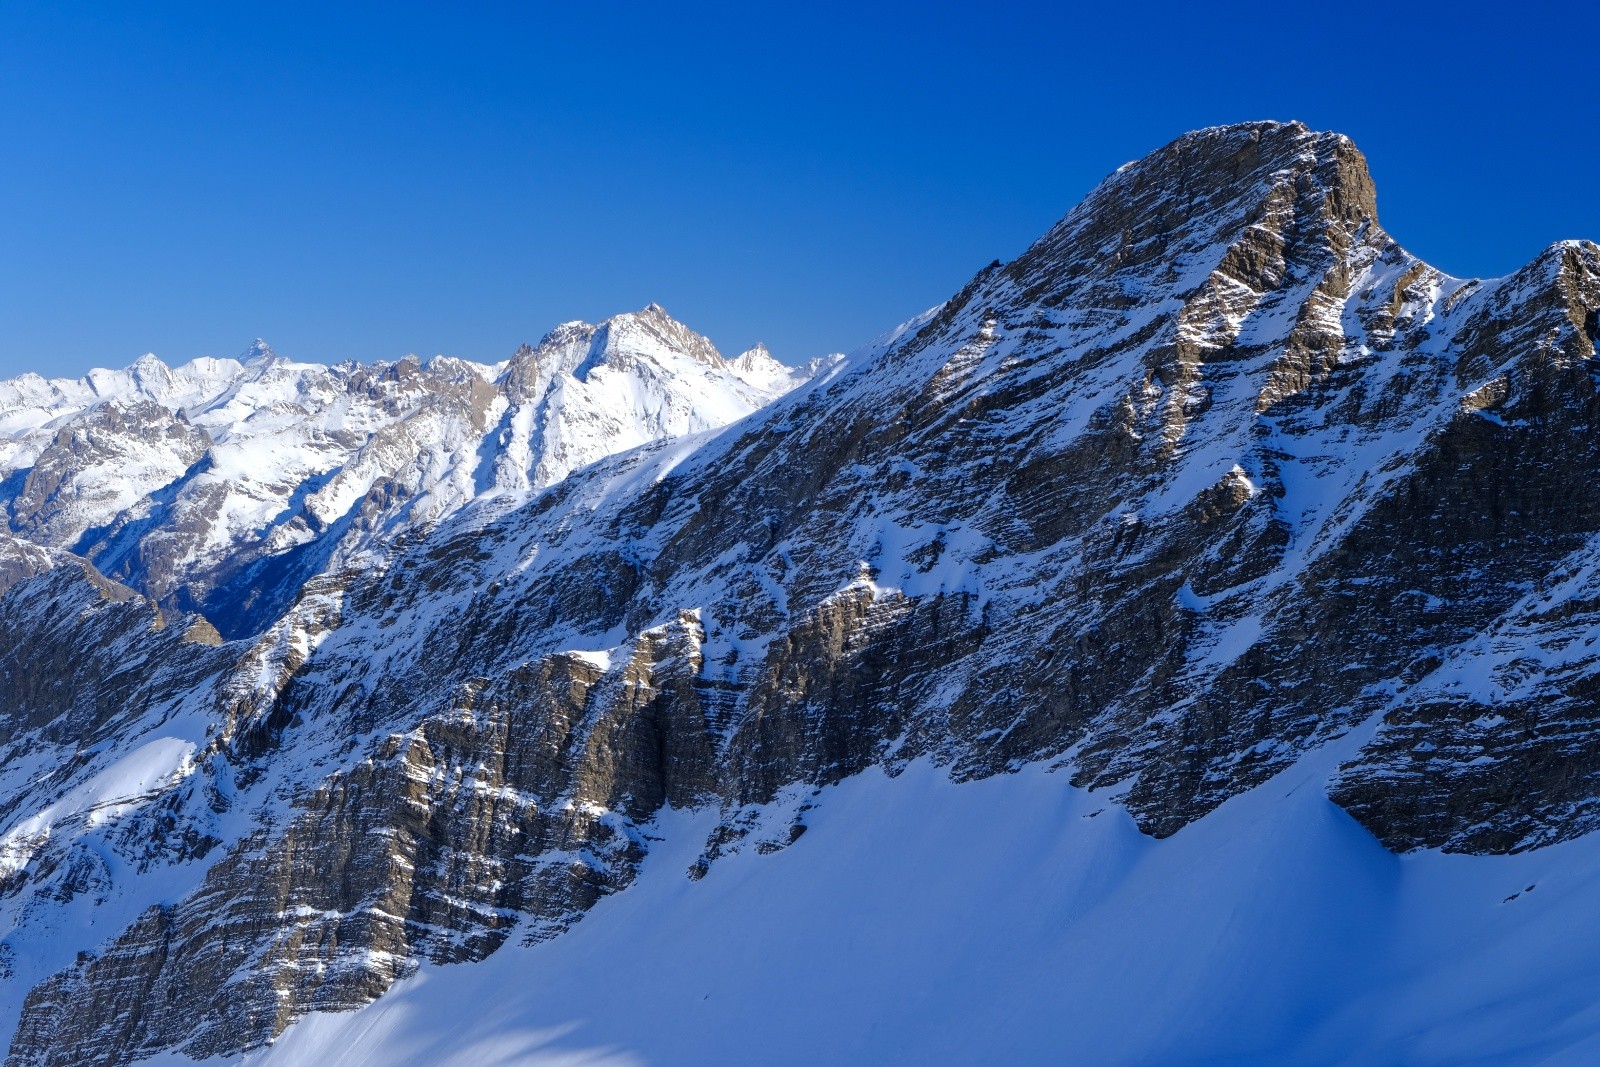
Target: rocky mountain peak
[[150, 375], [521, 377], [1151, 222], [1572, 270], [591, 389], [578, 347], [651, 331], [758, 367], [1235, 164]]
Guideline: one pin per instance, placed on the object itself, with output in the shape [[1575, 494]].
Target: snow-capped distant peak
[[757, 367], [589, 390], [760, 369], [758, 355], [653, 332]]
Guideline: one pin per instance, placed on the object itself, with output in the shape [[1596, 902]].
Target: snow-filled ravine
[[1017, 920]]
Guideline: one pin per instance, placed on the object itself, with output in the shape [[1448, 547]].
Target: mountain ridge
[[1125, 507], [223, 482]]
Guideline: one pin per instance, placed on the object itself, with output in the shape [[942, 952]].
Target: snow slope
[[139, 776], [1019, 920]]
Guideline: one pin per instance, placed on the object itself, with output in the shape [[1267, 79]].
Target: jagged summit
[[588, 390], [757, 360], [1201, 191], [650, 328], [1235, 163], [653, 326], [761, 369]]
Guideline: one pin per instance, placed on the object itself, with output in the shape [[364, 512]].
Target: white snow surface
[[1018, 920]]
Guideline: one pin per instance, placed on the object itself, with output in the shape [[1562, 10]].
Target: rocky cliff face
[[1212, 474]]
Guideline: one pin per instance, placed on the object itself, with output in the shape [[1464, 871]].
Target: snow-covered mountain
[[758, 368], [221, 486], [1175, 647]]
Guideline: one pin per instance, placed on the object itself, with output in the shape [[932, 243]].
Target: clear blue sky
[[362, 182]]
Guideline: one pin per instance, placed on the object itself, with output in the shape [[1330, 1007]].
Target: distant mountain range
[[222, 485]]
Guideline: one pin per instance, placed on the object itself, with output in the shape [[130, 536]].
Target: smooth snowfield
[[1019, 921]]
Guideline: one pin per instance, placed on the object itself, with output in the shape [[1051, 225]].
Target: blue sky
[[360, 182]]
